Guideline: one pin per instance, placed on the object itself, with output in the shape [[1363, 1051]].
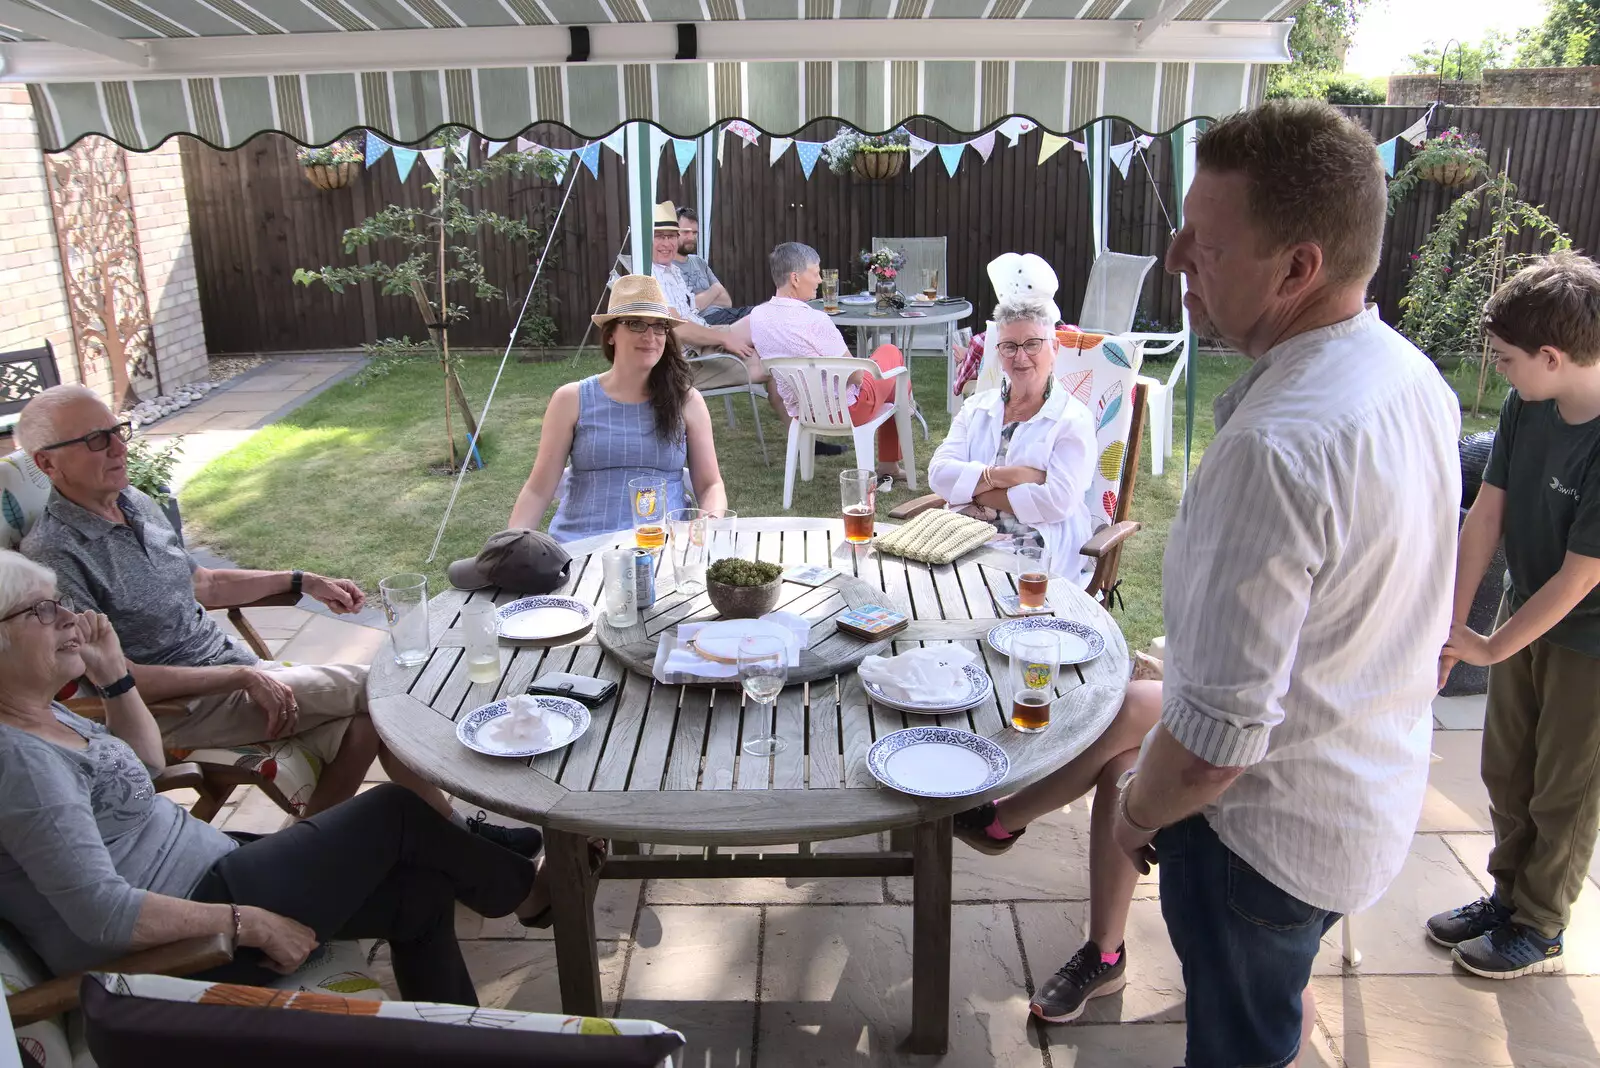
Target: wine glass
[[763, 668]]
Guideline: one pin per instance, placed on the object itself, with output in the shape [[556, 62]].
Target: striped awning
[[141, 71]]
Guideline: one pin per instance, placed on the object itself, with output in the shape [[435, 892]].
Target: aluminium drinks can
[[644, 578]]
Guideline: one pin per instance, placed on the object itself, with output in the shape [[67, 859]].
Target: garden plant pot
[[1452, 173], [877, 166], [330, 175], [743, 602]]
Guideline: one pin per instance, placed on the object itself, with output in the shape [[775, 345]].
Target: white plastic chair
[[819, 385]]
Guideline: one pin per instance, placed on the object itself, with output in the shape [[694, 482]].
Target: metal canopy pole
[[641, 165]]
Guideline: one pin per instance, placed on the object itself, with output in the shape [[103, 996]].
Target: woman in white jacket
[[1022, 457]]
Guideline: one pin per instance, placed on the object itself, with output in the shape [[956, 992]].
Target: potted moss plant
[[150, 470], [873, 157], [743, 589], [331, 166]]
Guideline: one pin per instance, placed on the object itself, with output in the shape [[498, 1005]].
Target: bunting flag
[[1386, 153], [404, 160], [779, 146], [983, 145], [376, 147], [434, 158], [1050, 144], [1417, 132], [617, 141], [491, 147], [462, 145], [1122, 155], [685, 153], [951, 154], [590, 155], [1015, 127], [746, 133], [919, 150], [809, 152]]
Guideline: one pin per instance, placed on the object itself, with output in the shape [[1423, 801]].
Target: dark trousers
[[382, 865], [716, 315]]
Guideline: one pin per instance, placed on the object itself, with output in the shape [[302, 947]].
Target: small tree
[[440, 251]]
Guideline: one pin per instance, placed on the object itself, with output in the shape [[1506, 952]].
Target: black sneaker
[[523, 841], [827, 448], [1508, 951], [1085, 976], [972, 827], [1450, 929]]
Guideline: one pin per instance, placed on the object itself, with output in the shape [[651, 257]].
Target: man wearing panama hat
[[694, 333]]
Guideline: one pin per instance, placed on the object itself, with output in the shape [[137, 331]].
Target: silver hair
[[791, 257], [22, 581], [36, 426], [1026, 310]]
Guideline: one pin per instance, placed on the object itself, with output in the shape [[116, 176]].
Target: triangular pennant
[[404, 160], [1082, 150], [617, 141], [434, 158], [919, 150], [1122, 154], [809, 152], [525, 145], [1417, 132], [1386, 154], [462, 145], [983, 145], [491, 147], [685, 151], [590, 155], [658, 141], [1015, 127], [376, 147], [1145, 140], [951, 154], [1050, 144], [779, 146], [746, 133]]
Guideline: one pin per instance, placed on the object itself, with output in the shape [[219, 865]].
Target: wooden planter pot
[[330, 175], [1456, 172], [877, 166]]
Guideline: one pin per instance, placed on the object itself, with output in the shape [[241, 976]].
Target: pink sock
[[1110, 958], [995, 831]]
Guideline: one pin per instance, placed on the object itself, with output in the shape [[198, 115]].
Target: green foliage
[[1446, 147], [150, 467], [538, 328], [350, 150], [391, 353], [1334, 86], [842, 149], [733, 571], [1322, 30], [1453, 272], [1466, 61], [1568, 37]]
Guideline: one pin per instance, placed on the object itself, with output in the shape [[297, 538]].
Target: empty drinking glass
[[763, 669], [722, 536], [686, 540], [405, 606]]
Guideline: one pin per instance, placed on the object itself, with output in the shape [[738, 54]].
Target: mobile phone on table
[[585, 688]]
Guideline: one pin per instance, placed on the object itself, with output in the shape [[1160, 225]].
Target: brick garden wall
[[161, 210]]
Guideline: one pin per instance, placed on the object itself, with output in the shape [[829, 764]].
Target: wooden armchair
[[1105, 546], [52, 997]]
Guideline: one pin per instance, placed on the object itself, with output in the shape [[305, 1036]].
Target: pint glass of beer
[[1035, 656], [858, 498], [647, 499], [1032, 582], [830, 290]]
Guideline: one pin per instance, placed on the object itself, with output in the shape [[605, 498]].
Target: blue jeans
[[1246, 948]]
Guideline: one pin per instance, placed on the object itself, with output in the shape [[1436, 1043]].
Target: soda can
[[644, 578]]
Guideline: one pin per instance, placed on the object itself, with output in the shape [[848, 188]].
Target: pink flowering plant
[[884, 264], [1442, 150]]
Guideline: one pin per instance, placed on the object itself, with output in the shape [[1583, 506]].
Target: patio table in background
[[900, 329], [664, 764]]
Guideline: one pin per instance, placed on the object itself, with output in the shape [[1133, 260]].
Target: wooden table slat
[[952, 599], [825, 763], [855, 726], [688, 746], [924, 600], [789, 766], [579, 770], [722, 739], [616, 762], [656, 738], [532, 662]]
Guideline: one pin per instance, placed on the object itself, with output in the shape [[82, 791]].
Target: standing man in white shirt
[[1307, 589]]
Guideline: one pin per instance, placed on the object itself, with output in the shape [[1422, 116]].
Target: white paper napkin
[[932, 673], [676, 658]]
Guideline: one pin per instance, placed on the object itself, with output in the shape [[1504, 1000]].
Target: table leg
[[572, 890], [930, 938]]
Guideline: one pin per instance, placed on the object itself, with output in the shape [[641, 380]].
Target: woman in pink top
[[787, 325]]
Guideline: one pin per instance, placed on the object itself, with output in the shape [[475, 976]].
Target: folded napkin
[[925, 675], [677, 662]]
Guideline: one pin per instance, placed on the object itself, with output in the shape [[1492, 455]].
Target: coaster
[[1011, 605], [810, 575]]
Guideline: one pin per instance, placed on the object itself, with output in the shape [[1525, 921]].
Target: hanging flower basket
[[331, 176], [1450, 158], [1449, 173], [873, 157], [332, 166], [877, 166]]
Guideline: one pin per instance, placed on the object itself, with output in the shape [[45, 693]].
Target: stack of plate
[[1080, 643], [977, 691]]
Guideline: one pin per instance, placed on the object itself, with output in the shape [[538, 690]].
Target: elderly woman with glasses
[[95, 864], [639, 419], [1022, 457]]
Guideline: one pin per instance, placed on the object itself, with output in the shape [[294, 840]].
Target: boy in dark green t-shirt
[[1541, 738]]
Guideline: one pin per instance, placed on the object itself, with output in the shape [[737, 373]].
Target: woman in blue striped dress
[[640, 418]]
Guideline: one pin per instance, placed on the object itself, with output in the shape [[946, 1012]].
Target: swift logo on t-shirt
[[1568, 491]]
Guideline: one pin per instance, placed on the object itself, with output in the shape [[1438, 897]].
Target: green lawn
[[342, 485]]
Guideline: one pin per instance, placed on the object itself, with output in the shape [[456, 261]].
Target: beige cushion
[[936, 537]]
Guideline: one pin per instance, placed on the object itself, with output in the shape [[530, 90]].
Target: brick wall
[[1542, 87], [161, 211], [1424, 89], [33, 304]]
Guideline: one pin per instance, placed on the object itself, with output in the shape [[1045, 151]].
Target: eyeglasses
[[97, 440], [43, 611], [1032, 347], [642, 326]]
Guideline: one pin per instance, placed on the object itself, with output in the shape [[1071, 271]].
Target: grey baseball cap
[[521, 561]]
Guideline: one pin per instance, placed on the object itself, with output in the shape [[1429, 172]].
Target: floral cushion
[[46, 1041], [24, 489], [1100, 370], [288, 764]]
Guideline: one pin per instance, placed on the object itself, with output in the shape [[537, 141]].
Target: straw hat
[[637, 296], [666, 217]]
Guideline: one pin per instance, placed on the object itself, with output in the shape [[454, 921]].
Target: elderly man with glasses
[[114, 552]]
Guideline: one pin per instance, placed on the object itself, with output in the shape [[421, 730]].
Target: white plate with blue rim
[[1080, 643], [937, 762], [858, 298], [538, 619], [979, 687], [487, 730]]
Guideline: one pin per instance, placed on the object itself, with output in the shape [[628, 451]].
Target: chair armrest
[[916, 506], [272, 600], [185, 776], [893, 372], [1108, 538], [186, 957], [1164, 343]]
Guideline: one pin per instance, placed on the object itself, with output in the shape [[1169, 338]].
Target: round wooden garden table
[[664, 764]]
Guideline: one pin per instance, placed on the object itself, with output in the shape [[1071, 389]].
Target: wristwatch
[[118, 688], [296, 580], [1124, 782]]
